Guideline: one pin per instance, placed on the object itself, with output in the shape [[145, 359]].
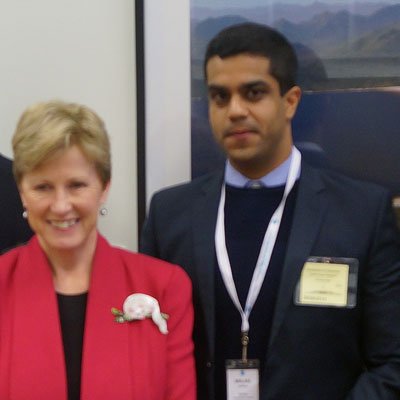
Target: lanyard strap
[[266, 249]]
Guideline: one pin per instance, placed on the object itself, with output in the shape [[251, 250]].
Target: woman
[[58, 336]]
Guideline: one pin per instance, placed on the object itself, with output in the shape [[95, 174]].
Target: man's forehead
[[240, 71], [240, 63]]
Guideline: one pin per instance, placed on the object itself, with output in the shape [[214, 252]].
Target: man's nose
[[237, 108]]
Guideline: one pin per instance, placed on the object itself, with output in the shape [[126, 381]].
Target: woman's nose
[[61, 202]]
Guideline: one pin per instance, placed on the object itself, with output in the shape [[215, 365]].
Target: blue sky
[[255, 3]]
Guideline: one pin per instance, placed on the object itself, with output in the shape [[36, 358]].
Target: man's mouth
[[238, 132]]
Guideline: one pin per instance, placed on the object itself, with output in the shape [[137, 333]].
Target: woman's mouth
[[64, 224]]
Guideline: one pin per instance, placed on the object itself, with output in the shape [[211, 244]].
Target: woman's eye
[[42, 187], [77, 185]]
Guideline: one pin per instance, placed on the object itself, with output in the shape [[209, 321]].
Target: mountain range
[[339, 34], [292, 12], [329, 33]]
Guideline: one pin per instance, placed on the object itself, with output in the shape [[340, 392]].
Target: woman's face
[[62, 198]]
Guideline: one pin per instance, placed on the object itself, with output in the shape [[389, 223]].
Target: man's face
[[250, 119]]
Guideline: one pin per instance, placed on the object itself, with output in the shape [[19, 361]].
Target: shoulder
[[337, 183], [152, 270], [189, 188], [6, 168], [176, 201], [9, 261], [5, 163], [12, 254]]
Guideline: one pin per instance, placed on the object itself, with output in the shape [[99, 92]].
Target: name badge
[[242, 380], [328, 282]]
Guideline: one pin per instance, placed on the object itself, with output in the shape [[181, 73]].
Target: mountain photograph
[[358, 46], [349, 71]]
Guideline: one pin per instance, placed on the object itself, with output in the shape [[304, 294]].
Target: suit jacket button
[[209, 364]]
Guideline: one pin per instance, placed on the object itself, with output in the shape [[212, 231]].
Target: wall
[[81, 51], [167, 69]]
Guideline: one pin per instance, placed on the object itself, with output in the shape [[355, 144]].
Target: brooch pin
[[139, 306]]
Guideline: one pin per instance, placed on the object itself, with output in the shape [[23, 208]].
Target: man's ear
[[292, 100]]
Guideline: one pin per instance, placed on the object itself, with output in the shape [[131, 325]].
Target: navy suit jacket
[[314, 353], [14, 229]]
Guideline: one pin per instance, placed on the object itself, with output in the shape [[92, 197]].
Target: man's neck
[[275, 177]]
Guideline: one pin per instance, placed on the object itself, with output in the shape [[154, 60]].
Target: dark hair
[[260, 40]]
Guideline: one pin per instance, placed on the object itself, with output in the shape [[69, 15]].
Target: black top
[[72, 309], [247, 215]]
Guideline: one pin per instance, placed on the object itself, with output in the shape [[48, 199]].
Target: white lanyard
[[266, 249]]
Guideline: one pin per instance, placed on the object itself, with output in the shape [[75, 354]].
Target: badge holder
[[328, 282], [242, 376]]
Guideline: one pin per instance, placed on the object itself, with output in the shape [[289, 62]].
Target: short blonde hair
[[45, 129]]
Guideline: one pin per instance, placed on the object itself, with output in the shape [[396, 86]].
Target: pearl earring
[[103, 211], [25, 214]]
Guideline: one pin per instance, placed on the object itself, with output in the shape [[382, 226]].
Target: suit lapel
[[36, 339], [204, 219], [309, 210]]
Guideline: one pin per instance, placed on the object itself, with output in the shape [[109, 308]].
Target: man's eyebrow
[[244, 86], [251, 84], [216, 87]]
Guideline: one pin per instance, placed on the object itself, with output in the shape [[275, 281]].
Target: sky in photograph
[[255, 3]]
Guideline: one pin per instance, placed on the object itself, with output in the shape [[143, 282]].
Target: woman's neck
[[72, 268], [72, 281]]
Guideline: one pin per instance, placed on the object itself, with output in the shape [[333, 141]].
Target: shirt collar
[[277, 177]]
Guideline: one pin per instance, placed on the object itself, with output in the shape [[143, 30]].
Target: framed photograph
[[349, 57], [348, 117]]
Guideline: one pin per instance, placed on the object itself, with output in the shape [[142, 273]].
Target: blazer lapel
[[107, 344], [204, 219], [36, 339], [309, 210]]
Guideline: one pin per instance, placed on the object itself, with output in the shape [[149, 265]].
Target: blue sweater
[[247, 214]]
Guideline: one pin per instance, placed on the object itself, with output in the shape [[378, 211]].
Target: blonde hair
[[45, 129]]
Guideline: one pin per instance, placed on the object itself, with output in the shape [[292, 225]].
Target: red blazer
[[120, 361]]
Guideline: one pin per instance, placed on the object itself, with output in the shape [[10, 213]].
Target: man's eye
[[220, 98], [255, 94]]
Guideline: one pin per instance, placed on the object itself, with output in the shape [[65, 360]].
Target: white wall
[[167, 65], [81, 51]]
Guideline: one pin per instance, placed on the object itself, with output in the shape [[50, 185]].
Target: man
[[14, 229], [295, 271]]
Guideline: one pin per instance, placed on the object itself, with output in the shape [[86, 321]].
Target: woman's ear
[[106, 190]]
